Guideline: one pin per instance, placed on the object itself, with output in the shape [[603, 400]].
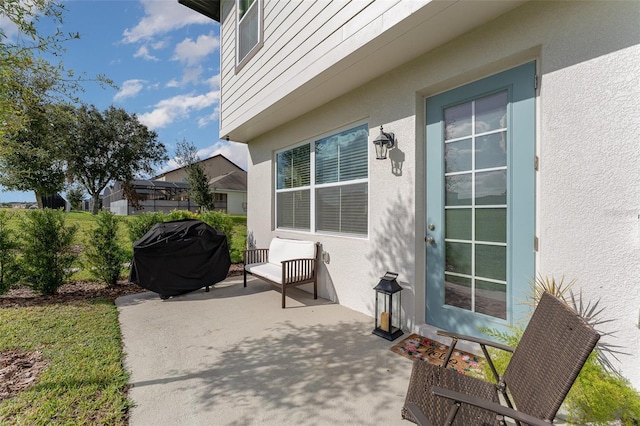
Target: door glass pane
[[491, 299], [458, 258], [491, 188], [457, 291], [459, 190], [458, 156], [491, 225], [491, 113], [457, 121], [491, 262], [458, 224], [491, 151]]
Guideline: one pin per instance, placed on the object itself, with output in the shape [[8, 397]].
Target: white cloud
[[168, 110], [192, 75], [129, 89], [203, 121], [193, 52], [143, 52], [161, 17]]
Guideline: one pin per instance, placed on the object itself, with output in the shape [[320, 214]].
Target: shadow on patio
[[233, 356]]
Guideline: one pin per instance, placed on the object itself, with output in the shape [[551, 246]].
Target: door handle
[[430, 240]]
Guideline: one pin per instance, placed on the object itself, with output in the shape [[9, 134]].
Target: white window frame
[[241, 62], [313, 186]]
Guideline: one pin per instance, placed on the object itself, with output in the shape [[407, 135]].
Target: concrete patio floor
[[232, 356]]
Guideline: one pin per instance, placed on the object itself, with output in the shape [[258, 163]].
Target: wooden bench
[[286, 263]]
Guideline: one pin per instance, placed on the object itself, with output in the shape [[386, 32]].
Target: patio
[[234, 357]]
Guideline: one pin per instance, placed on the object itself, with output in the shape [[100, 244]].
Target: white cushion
[[267, 270], [284, 249]]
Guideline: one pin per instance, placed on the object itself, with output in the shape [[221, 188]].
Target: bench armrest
[[255, 256], [295, 270]]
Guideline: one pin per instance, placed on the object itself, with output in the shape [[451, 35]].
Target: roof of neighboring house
[[206, 160], [159, 184], [210, 8], [234, 181]]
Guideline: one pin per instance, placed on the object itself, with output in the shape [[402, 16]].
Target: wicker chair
[[554, 347]]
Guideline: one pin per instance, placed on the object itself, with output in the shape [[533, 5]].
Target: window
[[322, 185], [249, 29]]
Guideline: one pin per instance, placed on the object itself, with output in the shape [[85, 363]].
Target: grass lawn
[[85, 382]]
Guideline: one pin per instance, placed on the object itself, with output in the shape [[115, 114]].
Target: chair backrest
[[554, 347]]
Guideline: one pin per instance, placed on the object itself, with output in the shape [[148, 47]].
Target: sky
[[165, 60]]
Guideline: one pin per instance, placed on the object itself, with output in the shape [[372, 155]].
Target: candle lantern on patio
[[388, 307]]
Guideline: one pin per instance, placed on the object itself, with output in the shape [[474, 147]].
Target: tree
[[187, 157], [34, 161], [75, 196], [23, 48], [109, 146]]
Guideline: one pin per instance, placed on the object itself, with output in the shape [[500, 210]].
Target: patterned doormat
[[418, 347]]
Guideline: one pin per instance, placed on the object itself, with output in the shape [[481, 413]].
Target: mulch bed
[[19, 370]]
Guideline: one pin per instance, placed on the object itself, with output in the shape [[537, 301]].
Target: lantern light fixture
[[384, 142]]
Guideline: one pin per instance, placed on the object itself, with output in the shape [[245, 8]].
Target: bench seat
[[286, 263]]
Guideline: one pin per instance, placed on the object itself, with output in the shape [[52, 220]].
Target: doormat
[[418, 347]]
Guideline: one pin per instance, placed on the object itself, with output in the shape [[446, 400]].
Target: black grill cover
[[180, 256]]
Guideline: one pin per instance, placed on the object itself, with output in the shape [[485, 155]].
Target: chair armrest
[[255, 256], [483, 344], [294, 270], [475, 340], [488, 405], [417, 414]]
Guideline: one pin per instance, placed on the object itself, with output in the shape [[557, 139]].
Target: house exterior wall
[[588, 184], [237, 203]]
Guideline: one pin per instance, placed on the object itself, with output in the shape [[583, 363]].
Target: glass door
[[481, 202]]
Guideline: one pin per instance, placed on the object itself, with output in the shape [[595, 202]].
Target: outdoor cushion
[[267, 270], [284, 249]]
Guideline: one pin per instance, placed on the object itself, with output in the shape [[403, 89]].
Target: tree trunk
[[39, 200], [96, 203]]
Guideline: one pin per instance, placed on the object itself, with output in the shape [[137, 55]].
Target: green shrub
[[104, 255], [8, 248], [181, 215], [143, 223], [219, 221], [599, 396], [47, 254]]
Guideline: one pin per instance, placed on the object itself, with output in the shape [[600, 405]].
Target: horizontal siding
[[301, 39]]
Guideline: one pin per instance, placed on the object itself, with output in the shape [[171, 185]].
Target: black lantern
[[384, 142], [388, 308]]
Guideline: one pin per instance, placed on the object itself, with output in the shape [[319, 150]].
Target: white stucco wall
[[588, 186]]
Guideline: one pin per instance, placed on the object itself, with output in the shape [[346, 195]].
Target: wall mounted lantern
[[387, 308], [383, 143]]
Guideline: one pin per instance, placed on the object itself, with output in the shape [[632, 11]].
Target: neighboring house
[[152, 196], [170, 191], [227, 181], [516, 149]]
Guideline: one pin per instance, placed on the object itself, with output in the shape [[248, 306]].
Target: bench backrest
[[285, 249]]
